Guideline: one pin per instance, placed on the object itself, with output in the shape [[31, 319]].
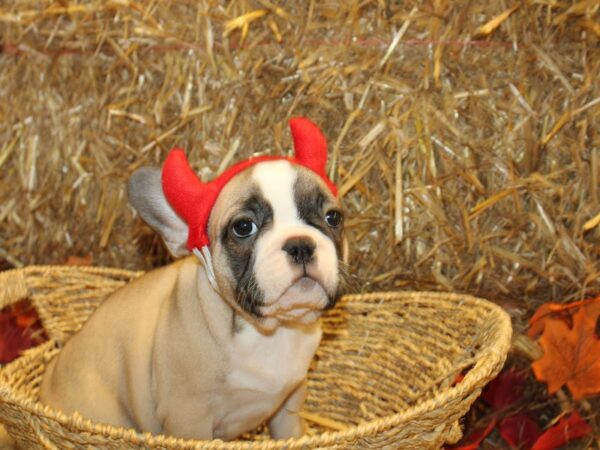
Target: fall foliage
[[20, 329], [518, 427], [569, 429], [571, 347], [570, 356]]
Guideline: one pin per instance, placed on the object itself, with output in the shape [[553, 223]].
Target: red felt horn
[[310, 146], [181, 185], [189, 197]]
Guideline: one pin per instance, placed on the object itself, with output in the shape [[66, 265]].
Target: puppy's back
[[103, 372]]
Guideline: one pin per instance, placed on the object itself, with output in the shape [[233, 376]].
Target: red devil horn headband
[[193, 200]]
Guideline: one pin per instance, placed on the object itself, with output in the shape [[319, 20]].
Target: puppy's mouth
[[302, 302]]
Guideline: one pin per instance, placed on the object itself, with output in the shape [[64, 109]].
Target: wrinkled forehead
[[284, 187]]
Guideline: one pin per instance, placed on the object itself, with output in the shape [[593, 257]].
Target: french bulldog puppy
[[211, 349]]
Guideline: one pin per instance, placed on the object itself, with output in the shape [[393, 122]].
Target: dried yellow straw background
[[464, 135]]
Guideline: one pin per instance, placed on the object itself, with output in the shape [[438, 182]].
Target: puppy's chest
[[271, 363], [264, 370]]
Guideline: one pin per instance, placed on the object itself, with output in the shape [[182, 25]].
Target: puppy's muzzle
[[301, 249]]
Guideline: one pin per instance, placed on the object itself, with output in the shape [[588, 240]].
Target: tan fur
[[169, 354]]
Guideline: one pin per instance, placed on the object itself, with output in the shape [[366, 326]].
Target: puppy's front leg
[[188, 422], [286, 422]]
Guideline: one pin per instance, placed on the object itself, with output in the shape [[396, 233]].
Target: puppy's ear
[[146, 196]]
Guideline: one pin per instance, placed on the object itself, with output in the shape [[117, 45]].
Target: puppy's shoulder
[[155, 284]]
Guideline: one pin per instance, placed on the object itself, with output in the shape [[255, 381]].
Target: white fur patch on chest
[[264, 370]]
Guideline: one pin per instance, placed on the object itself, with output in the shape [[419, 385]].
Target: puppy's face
[[276, 240]]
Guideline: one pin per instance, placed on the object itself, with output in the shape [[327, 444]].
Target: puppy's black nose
[[301, 249]]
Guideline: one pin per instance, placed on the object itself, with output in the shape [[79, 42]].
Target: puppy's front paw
[[286, 425]]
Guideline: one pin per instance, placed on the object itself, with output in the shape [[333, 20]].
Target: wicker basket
[[385, 376]]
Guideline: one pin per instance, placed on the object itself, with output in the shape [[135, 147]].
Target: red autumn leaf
[[79, 260], [458, 378], [571, 354], [519, 431], [553, 311], [20, 329], [474, 440], [505, 389], [13, 339], [26, 320], [543, 313], [566, 430]]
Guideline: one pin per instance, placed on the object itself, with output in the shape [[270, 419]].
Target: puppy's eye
[[333, 218], [244, 228]]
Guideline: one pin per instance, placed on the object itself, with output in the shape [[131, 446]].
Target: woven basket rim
[[487, 360]]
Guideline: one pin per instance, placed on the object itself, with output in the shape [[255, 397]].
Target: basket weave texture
[[385, 375]]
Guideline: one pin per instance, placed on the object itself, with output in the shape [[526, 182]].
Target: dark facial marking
[[240, 250], [313, 204]]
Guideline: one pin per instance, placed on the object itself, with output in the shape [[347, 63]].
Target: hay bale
[[464, 135]]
